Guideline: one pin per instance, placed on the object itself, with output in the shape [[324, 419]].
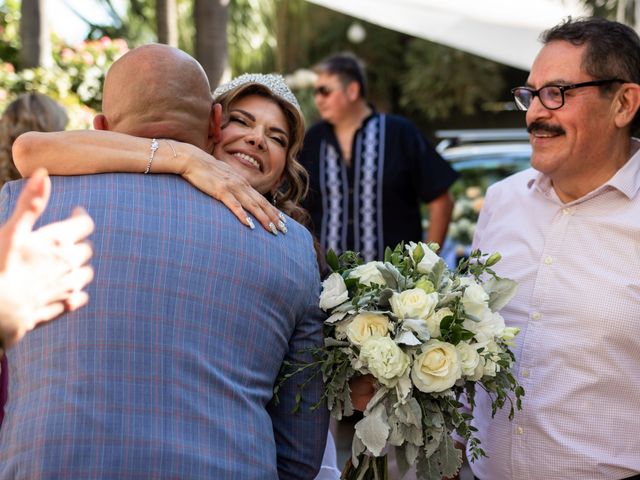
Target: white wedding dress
[[329, 469]]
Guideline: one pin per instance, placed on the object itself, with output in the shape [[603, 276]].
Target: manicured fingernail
[[250, 223], [272, 227], [282, 217], [282, 227]]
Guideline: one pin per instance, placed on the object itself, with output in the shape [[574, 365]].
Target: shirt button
[[525, 373], [536, 315], [548, 260], [566, 211], [519, 430]]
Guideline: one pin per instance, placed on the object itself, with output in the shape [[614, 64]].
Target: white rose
[[469, 358], [413, 303], [437, 368], [490, 358], [428, 261], [368, 274], [367, 325], [384, 359], [475, 300], [491, 325], [334, 292], [479, 371], [434, 320]]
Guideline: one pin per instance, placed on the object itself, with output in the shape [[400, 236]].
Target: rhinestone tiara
[[274, 82]]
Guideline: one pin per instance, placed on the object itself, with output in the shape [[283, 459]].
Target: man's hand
[[362, 390], [42, 272]]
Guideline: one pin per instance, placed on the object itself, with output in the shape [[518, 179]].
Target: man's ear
[[353, 91], [627, 104], [100, 122], [215, 122]]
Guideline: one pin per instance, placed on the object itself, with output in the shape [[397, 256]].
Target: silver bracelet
[[152, 153]]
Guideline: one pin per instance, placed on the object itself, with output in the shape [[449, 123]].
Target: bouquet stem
[[369, 468]]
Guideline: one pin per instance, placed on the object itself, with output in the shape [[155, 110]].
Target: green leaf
[[332, 260]]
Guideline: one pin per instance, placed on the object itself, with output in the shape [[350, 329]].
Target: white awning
[[505, 31]]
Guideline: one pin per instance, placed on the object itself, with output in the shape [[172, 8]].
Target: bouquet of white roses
[[427, 335]]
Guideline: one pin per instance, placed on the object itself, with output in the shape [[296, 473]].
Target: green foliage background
[[430, 83]]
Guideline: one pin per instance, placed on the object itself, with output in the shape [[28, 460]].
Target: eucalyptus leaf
[[500, 292], [373, 430]]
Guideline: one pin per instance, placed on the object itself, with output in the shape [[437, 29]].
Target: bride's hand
[[220, 181]]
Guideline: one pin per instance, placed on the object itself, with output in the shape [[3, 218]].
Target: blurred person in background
[[369, 172], [29, 112]]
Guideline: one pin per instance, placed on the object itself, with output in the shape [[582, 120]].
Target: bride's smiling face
[[255, 140]]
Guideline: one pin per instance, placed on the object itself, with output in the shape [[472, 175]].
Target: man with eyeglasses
[[369, 172], [569, 233]]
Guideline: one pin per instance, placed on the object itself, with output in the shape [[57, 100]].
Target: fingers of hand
[[268, 216], [72, 230], [76, 300], [31, 203], [46, 313]]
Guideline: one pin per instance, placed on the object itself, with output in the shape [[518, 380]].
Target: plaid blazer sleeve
[[301, 436]]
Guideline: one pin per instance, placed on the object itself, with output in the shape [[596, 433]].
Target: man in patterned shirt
[[369, 172]]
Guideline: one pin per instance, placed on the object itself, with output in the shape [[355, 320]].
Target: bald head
[[158, 91]]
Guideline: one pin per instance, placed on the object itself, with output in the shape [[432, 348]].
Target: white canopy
[[502, 30]]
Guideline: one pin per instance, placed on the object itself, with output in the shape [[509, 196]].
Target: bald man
[[169, 372]]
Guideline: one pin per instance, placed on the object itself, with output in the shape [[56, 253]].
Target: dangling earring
[[274, 197]]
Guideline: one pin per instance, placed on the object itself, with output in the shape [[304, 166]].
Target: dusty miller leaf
[[407, 338], [373, 430], [500, 292]]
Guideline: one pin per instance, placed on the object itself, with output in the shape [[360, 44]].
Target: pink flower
[[87, 58]]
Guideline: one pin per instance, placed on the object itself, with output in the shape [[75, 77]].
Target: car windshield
[[481, 159]]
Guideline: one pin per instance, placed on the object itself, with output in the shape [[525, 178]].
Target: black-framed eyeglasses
[[322, 90], [552, 96]]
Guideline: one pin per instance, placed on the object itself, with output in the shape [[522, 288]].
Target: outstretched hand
[[42, 272], [222, 182]]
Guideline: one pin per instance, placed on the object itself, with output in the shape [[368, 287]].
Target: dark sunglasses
[[322, 90]]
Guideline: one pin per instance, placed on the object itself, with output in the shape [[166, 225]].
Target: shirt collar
[[626, 180]]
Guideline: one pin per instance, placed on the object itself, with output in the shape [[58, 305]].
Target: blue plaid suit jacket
[[169, 371]]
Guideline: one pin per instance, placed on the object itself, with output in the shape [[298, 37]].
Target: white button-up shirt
[[578, 308]]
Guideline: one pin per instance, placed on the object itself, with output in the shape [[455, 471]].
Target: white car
[[482, 157]]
